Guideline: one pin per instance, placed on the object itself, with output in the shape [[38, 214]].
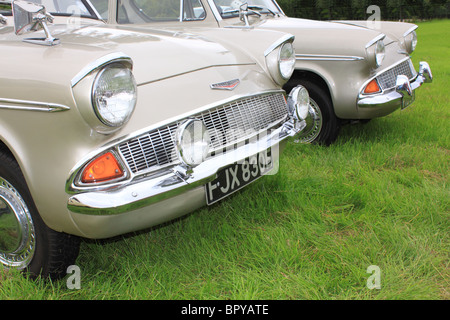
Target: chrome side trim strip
[[24, 105], [112, 57], [273, 46], [320, 57]]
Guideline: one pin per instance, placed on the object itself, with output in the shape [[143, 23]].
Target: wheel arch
[[308, 76], [5, 149]]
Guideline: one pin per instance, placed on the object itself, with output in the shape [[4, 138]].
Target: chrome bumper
[[402, 95], [145, 192]]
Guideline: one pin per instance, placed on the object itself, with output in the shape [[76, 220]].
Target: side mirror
[[31, 17], [3, 20]]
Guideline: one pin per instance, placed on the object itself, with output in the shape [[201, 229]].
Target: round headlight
[[280, 60], [192, 142], [287, 60], [379, 52], [298, 102], [114, 95]]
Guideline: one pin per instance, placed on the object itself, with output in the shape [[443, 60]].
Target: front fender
[[394, 30]]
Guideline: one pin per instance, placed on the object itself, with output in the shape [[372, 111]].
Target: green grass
[[379, 196]]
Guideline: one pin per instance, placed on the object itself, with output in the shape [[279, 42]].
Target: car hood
[[156, 54], [394, 30], [320, 37]]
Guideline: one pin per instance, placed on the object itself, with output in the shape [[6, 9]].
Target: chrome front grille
[[388, 79], [238, 120], [230, 123]]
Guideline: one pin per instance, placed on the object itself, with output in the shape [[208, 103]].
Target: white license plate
[[238, 175]]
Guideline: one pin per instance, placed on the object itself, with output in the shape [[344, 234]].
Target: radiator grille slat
[[388, 79], [233, 122]]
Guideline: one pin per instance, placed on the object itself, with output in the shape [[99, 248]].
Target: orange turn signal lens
[[104, 168], [372, 87]]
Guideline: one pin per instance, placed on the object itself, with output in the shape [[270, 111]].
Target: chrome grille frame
[[228, 124]]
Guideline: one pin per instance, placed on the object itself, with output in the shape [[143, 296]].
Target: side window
[[167, 10], [193, 10], [102, 7], [147, 11]]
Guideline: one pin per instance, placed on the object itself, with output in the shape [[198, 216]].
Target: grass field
[[379, 196]]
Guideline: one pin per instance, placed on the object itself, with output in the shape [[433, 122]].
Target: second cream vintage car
[[353, 71], [109, 129]]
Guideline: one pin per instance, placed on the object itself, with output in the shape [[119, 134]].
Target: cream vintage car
[[108, 129], [351, 71]]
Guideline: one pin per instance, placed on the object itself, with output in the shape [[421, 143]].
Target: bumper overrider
[[401, 91], [151, 197]]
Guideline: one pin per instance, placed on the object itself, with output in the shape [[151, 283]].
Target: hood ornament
[[227, 85]]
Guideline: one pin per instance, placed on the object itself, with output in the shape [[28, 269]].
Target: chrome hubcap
[[17, 235], [314, 123]]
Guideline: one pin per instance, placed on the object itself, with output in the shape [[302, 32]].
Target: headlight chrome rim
[[375, 51], [192, 142], [286, 64], [274, 56], [411, 42], [118, 117], [299, 103], [380, 52]]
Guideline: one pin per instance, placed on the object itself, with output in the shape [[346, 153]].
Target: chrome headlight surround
[[376, 51], [105, 92], [192, 142], [409, 40], [280, 59]]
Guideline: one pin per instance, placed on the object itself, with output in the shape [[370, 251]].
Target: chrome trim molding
[[109, 58], [375, 40], [24, 105], [227, 85], [321, 57], [410, 30], [279, 42]]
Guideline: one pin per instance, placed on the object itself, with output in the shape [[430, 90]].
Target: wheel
[[322, 125], [26, 243]]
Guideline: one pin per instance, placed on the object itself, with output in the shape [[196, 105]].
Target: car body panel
[[335, 51], [45, 94]]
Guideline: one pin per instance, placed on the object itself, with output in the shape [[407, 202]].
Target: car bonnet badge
[[227, 85]]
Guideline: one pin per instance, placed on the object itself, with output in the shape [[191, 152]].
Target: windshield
[[67, 7], [230, 8], [145, 11]]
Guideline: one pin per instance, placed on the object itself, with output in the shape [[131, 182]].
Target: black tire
[[41, 251], [322, 124]]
